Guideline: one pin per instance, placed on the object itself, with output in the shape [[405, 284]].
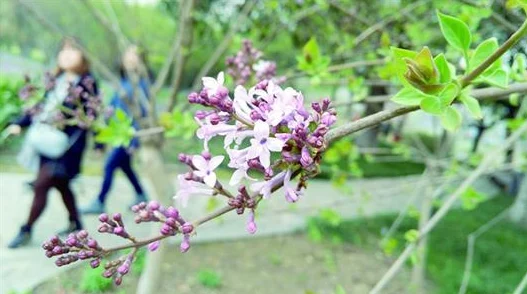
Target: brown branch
[[448, 203], [350, 12], [521, 32], [482, 93], [381, 24], [222, 47], [105, 71], [185, 34]]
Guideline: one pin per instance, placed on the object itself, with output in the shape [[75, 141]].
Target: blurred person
[[56, 169], [120, 157]]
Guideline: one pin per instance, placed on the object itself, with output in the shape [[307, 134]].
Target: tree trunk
[[153, 166], [518, 213]]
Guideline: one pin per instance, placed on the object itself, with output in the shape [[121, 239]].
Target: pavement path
[[25, 268]]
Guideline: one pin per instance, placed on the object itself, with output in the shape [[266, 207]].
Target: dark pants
[[46, 180], [118, 158]]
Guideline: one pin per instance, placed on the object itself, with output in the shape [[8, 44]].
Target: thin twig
[[471, 241], [447, 205]]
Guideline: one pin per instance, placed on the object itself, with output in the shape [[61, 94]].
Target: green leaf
[[409, 96], [471, 198], [472, 104], [330, 216], [451, 119], [311, 50], [455, 31], [432, 105], [399, 65], [411, 235], [445, 75], [498, 78], [449, 94], [484, 50]]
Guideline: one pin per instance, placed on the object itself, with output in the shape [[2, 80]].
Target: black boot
[[23, 237], [73, 226]]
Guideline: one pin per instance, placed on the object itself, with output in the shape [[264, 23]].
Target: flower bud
[[251, 225], [103, 217], [185, 244], [153, 205], [187, 228], [172, 212], [153, 246]]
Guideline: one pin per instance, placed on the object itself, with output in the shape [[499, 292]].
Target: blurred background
[[375, 187]]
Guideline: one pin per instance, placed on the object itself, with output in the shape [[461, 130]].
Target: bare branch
[[381, 24], [482, 93], [448, 203], [105, 71], [471, 242], [185, 34], [222, 47]]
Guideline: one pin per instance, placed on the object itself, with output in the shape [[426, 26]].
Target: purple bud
[[206, 155], [153, 205], [54, 240], [305, 158], [153, 246], [325, 104], [117, 217], [124, 268], [171, 222], [92, 244], [172, 212], [135, 208], [108, 273], [193, 97], [316, 107], [119, 231], [291, 196], [185, 244], [251, 225], [118, 281], [103, 217], [82, 234], [222, 92], [328, 119], [57, 250], [49, 254], [71, 241], [187, 228], [166, 230]]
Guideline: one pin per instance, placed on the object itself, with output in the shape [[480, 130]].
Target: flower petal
[[215, 162], [265, 158], [275, 144], [254, 151], [237, 177], [221, 78], [261, 130], [210, 180], [200, 163]]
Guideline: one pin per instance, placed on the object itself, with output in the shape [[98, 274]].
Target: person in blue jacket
[[71, 79], [121, 157]]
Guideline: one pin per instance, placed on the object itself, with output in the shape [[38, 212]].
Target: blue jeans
[[118, 158]]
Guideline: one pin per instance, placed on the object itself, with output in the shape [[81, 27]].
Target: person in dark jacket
[[72, 87], [121, 157]]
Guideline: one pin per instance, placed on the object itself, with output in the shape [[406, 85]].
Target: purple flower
[[213, 86], [187, 188], [262, 144], [306, 160], [291, 195], [205, 168]]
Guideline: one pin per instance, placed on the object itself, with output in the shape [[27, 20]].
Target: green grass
[[500, 258]]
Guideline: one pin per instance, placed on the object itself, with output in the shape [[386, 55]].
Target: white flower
[[187, 188], [212, 85], [205, 168], [262, 144]]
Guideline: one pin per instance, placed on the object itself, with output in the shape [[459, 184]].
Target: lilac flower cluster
[[254, 124], [83, 103], [247, 63], [81, 246]]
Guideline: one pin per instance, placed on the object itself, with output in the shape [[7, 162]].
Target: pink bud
[[153, 246], [185, 244]]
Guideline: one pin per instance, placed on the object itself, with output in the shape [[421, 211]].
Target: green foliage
[[472, 105], [178, 124], [118, 132], [471, 198], [455, 31], [209, 278], [92, 281], [312, 61], [411, 235], [339, 290], [330, 216], [447, 246], [410, 96], [10, 103], [451, 118]]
